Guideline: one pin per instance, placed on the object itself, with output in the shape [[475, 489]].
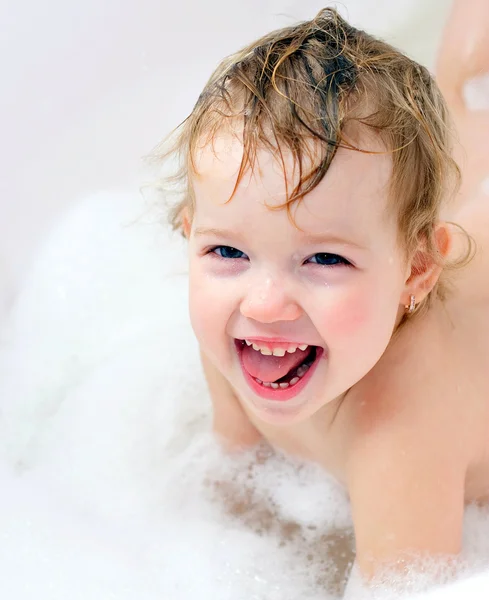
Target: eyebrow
[[227, 234], [216, 232], [325, 238], [309, 239]]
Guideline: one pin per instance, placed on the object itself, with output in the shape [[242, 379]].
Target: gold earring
[[412, 304]]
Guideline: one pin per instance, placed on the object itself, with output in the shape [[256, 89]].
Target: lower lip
[[280, 395]]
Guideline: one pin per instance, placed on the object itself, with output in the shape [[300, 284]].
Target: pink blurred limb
[[464, 55]]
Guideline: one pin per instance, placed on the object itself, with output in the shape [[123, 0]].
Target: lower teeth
[[301, 371]]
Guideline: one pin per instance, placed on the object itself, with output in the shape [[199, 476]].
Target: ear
[[187, 226], [424, 271]]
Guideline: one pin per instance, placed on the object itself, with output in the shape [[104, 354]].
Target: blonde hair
[[310, 83]]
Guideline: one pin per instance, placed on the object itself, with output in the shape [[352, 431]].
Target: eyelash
[[340, 260]]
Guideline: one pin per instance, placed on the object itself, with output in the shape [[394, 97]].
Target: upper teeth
[[267, 351]]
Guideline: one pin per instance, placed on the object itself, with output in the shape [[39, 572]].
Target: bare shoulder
[[426, 401], [419, 390]]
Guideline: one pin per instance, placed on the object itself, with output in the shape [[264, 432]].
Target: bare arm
[[230, 422], [406, 479], [464, 51], [464, 54], [404, 508]]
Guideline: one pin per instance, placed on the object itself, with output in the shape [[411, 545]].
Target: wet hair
[[302, 90]]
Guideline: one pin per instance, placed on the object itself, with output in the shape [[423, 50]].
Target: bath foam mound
[[104, 421]]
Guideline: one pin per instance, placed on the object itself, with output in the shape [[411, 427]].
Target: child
[[323, 290]]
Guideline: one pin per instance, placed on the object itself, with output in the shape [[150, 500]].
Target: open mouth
[[277, 371]]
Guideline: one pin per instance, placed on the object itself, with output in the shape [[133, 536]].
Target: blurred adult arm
[[464, 55]]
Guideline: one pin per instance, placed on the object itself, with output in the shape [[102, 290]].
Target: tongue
[[271, 368]]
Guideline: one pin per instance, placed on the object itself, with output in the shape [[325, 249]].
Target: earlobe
[[424, 275], [425, 269]]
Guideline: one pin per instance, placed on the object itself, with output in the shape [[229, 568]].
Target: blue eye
[[228, 252], [328, 260]]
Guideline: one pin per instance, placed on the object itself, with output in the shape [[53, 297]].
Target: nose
[[267, 301]]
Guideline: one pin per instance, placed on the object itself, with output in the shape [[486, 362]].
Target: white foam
[[112, 486]]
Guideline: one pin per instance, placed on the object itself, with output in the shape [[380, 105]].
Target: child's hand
[[464, 54]]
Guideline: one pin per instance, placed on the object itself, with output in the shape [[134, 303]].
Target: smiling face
[[317, 300]]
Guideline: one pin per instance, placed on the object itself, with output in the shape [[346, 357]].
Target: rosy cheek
[[348, 315], [209, 306]]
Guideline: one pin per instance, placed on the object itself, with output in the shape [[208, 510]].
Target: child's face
[[335, 281]]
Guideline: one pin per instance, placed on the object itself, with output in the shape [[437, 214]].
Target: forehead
[[352, 198]]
